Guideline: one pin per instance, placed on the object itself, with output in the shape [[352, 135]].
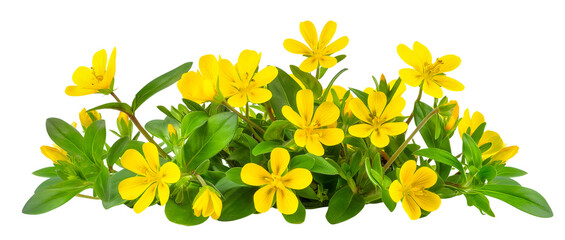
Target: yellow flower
[[207, 203], [54, 153], [96, 79], [319, 50], [240, 82], [504, 154], [311, 134], [123, 117], [153, 178], [432, 74], [451, 120], [410, 188], [494, 139], [340, 91], [171, 130], [201, 86], [377, 118], [277, 183], [87, 118], [469, 123]]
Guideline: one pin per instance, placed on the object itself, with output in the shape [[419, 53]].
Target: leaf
[[203, 167], [323, 166], [65, 136], [471, 151], [284, 90], [360, 94], [159, 84], [94, 141], [234, 175], [117, 150], [193, 106], [387, 200], [344, 205], [276, 129], [524, 199], [110, 196], [265, 147], [441, 156], [237, 203], [122, 107], [301, 161], [309, 81], [510, 172], [480, 201], [329, 86], [298, 217], [323, 69], [183, 213], [47, 172], [159, 128], [192, 121], [210, 139], [486, 173], [421, 110], [52, 195]]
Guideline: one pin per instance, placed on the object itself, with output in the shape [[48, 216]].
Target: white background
[[512, 68]]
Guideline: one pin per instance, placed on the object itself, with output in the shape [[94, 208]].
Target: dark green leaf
[[302, 161], [122, 107], [65, 136], [117, 150], [265, 147], [421, 110], [471, 151], [284, 90], [108, 187], [94, 140], [193, 106], [387, 200], [298, 217], [237, 203], [344, 205], [441, 156], [478, 133], [234, 175], [159, 84], [183, 213], [480, 201], [309, 81], [203, 167], [360, 94], [329, 87], [323, 166], [522, 198], [276, 129]]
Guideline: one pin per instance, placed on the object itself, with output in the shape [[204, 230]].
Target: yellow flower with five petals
[[207, 203], [97, 79], [431, 74], [376, 118], [277, 184], [240, 84], [152, 179], [319, 50], [310, 132], [201, 86], [410, 187]]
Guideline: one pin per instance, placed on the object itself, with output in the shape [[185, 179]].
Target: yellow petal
[[54, 154], [424, 177], [133, 160], [465, 123], [209, 67], [263, 198], [361, 130], [265, 76], [411, 77], [360, 111], [293, 117], [411, 208], [110, 70], [393, 128], [309, 33], [99, 62], [449, 63], [279, 161], [131, 188], [408, 56], [432, 89], [377, 103], [379, 139], [407, 171], [327, 34], [238, 100], [314, 146], [496, 143], [146, 199], [163, 192], [327, 61], [330, 136], [170, 172], [476, 120], [217, 204], [339, 90], [305, 104], [400, 90], [296, 47], [448, 83], [194, 87], [505, 154], [79, 91], [395, 191], [454, 116], [254, 175], [427, 200], [259, 95], [327, 113], [287, 202], [228, 78], [247, 63], [422, 53], [83, 77], [394, 108], [336, 46], [298, 178], [309, 64], [300, 137], [297, 81], [152, 156]]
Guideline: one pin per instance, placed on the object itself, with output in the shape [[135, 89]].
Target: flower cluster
[[247, 138]]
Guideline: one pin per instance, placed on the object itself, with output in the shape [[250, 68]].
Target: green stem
[[243, 117], [401, 148], [415, 102], [201, 180], [87, 197], [352, 185]]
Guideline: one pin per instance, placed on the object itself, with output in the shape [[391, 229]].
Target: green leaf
[[344, 205], [480, 201], [210, 139], [117, 150], [471, 151], [65, 136], [52, 195], [159, 84], [237, 203], [159, 128], [193, 106], [511, 172], [203, 167], [387, 200], [265, 147], [323, 166], [234, 175], [192, 121], [309, 81], [108, 187], [298, 217], [486, 173], [47, 172], [323, 70], [276, 129], [122, 107], [284, 90], [478, 133], [94, 140], [183, 213], [329, 86], [421, 110], [524, 199], [441, 156], [360, 94], [302, 161]]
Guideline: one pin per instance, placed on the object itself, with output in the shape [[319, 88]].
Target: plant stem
[[352, 185], [201, 180], [401, 148], [243, 117], [415, 102], [87, 197]]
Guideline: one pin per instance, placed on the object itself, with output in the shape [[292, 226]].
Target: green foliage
[[53, 193], [344, 205], [284, 90], [522, 198], [309, 81], [237, 203], [182, 213], [66, 136]]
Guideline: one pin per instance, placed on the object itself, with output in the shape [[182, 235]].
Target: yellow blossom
[[470, 124], [201, 86], [432, 74], [124, 117], [240, 84], [207, 203], [451, 120], [410, 188], [54, 153], [340, 92], [152, 179], [171, 130], [87, 118], [319, 50], [276, 184], [96, 79], [310, 132], [377, 118], [504, 154]]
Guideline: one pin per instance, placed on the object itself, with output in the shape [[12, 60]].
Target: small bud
[[54, 153], [87, 118]]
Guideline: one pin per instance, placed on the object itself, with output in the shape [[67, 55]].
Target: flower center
[[431, 70]]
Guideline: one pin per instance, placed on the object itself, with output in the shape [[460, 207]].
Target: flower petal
[[191, 86], [327, 113], [330, 136], [314, 146], [422, 53], [496, 143], [448, 83], [410, 58], [298, 178], [327, 34], [152, 156], [505, 154], [309, 64], [247, 62], [377, 103], [170, 172], [424, 177], [394, 108], [432, 89], [238, 100], [99, 62], [133, 160], [465, 123], [379, 139], [476, 120], [336, 46], [263, 198], [146, 199], [449, 63], [411, 208], [217, 204], [327, 61], [229, 80], [79, 91], [54, 154], [305, 105], [395, 191], [300, 137], [209, 67], [110, 70], [407, 171], [83, 77], [393, 128], [265, 76], [427, 200], [163, 192], [287, 202], [309, 33], [360, 111], [296, 47], [259, 95], [411, 77], [131, 188], [360, 130], [293, 117], [254, 175], [279, 161]]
